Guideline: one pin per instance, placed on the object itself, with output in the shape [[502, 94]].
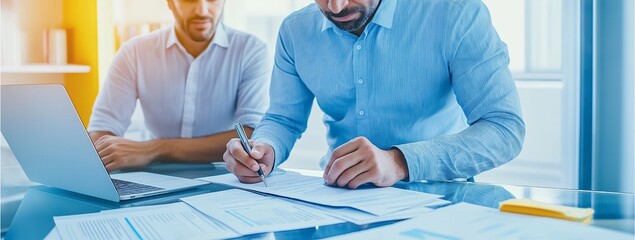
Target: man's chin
[[349, 26], [201, 37]]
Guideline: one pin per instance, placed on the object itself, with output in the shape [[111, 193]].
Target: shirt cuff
[[420, 159], [105, 127]]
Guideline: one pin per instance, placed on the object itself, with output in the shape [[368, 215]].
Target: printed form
[[377, 201], [361, 218], [248, 213], [171, 221]]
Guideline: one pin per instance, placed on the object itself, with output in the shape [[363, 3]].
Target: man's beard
[[352, 25], [200, 36]]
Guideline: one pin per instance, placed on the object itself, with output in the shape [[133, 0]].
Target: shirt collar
[[220, 37], [383, 17]]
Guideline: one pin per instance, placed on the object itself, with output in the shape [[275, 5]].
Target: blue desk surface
[[30, 216]]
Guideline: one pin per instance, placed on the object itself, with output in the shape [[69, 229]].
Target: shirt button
[[358, 47], [360, 81], [361, 113]]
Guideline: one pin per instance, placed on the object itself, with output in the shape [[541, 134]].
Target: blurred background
[[572, 61]]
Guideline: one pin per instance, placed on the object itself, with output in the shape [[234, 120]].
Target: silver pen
[[245, 141]]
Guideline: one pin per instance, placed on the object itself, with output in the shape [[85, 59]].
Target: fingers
[[360, 179], [109, 149], [260, 150], [104, 141], [245, 166], [112, 166], [340, 165], [343, 150], [237, 167], [238, 154], [100, 144], [245, 179], [107, 159], [112, 161], [264, 154], [351, 173]]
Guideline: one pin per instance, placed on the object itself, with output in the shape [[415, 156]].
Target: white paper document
[[361, 218], [53, 235], [467, 221], [248, 213], [377, 201], [172, 221]]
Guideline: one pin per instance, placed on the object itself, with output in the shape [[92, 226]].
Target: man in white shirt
[[193, 81]]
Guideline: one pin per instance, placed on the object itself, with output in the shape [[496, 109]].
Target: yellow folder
[[530, 207]]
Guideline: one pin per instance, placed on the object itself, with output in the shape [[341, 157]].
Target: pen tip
[[263, 180]]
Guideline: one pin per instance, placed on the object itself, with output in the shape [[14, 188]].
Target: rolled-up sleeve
[[478, 62], [117, 98], [253, 92]]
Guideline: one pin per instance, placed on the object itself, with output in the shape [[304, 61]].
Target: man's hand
[[117, 152], [245, 166], [359, 161]]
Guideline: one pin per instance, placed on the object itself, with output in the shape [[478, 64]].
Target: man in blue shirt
[[411, 90]]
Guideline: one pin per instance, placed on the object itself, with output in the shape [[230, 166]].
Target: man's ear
[[170, 4]]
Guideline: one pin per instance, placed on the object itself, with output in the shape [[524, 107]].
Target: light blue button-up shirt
[[430, 78]]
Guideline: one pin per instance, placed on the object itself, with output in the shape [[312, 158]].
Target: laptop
[[49, 141]]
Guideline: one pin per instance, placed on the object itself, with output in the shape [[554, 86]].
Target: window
[[543, 65]]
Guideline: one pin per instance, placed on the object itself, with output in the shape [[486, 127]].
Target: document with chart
[[247, 213], [377, 201], [362, 218], [170, 221]]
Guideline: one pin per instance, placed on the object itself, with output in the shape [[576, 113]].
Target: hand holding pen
[[249, 163]]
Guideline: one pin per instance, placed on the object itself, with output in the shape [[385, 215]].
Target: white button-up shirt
[[182, 96]]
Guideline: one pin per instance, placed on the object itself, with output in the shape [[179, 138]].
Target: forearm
[[484, 145], [194, 150]]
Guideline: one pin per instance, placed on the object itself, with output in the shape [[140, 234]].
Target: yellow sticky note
[[530, 207]]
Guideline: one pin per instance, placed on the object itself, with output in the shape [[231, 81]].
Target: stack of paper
[[478, 222], [249, 213], [170, 221], [376, 201], [305, 202]]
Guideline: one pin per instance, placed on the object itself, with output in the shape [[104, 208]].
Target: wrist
[[158, 149], [400, 162]]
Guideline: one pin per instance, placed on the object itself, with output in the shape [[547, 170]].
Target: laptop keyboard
[[127, 188]]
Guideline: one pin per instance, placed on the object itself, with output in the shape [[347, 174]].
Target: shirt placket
[[189, 101], [360, 82]]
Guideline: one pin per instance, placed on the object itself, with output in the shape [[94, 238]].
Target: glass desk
[[30, 213]]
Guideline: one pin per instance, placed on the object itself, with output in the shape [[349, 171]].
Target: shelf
[[45, 68]]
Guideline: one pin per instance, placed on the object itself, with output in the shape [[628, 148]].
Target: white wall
[[142, 11], [106, 36], [509, 16]]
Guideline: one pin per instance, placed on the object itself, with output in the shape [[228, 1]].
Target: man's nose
[[336, 6], [202, 8]]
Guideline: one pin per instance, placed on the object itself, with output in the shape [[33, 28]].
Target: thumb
[[258, 151]]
